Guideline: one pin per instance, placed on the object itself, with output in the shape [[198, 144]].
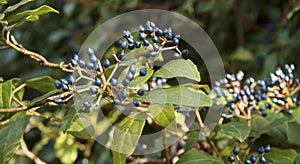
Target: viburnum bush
[[260, 121]]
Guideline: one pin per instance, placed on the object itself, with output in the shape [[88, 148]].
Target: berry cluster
[[276, 93], [252, 159], [117, 90]]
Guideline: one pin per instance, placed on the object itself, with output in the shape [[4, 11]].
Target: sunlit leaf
[[195, 156], [17, 5]]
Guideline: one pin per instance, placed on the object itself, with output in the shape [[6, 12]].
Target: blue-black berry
[[252, 158], [262, 160], [81, 63], [261, 150], [267, 148], [93, 59], [58, 100], [93, 90], [87, 105], [71, 80], [74, 63], [136, 102], [98, 81], [64, 87], [132, 70], [125, 82], [235, 150], [106, 63], [114, 82], [122, 44], [124, 94], [129, 76], [57, 85], [141, 92], [90, 51], [264, 114], [154, 39], [64, 81], [185, 52], [143, 71], [248, 161], [231, 158], [146, 43]]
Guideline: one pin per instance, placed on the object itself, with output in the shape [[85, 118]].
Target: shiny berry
[[235, 150], [98, 81], [153, 54], [64, 81], [137, 44], [90, 52], [71, 80], [125, 82], [58, 100], [114, 82], [75, 57], [132, 70], [267, 148], [65, 87], [248, 161], [141, 92], [262, 160], [141, 28], [81, 63], [146, 43], [93, 59], [175, 41], [117, 101], [124, 95], [155, 39], [87, 105], [57, 85], [106, 63], [74, 63], [129, 76], [136, 102], [131, 46], [169, 36], [90, 65], [252, 158], [264, 114], [93, 90], [155, 47], [261, 150], [143, 72], [231, 158], [142, 36], [121, 56], [185, 52], [223, 115], [122, 44]]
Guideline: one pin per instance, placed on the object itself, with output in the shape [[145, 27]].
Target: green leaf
[[6, 94], [66, 148], [195, 156], [238, 130], [30, 18], [179, 68], [119, 158], [281, 156], [17, 5], [163, 114], [126, 134], [43, 97], [293, 133], [43, 84], [69, 118], [274, 125], [2, 15], [295, 9], [78, 130], [141, 79], [178, 95], [297, 159], [10, 135], [16, 82], [39, 11]]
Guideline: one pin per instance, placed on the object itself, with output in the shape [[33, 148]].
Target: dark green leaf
[[126, 134], [163, 114], [43, 97], [141, 79], [43, 84], [39, 11], [195, 156], [281, 156], [274, 125], [178, 95], [293, 133], [68, 119], [238, 130], [10, 135], [179, 68], [5, 94], [17, 83], [17, 5]]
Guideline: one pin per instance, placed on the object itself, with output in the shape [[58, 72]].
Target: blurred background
[[254, 35]]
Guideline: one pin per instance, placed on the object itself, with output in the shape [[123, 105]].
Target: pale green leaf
[[295, 9], [163, 114], [293, 133], [178, 95], [6, 94], [179, 68]]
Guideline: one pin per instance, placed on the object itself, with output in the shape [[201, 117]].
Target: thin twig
[[29, 154]]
